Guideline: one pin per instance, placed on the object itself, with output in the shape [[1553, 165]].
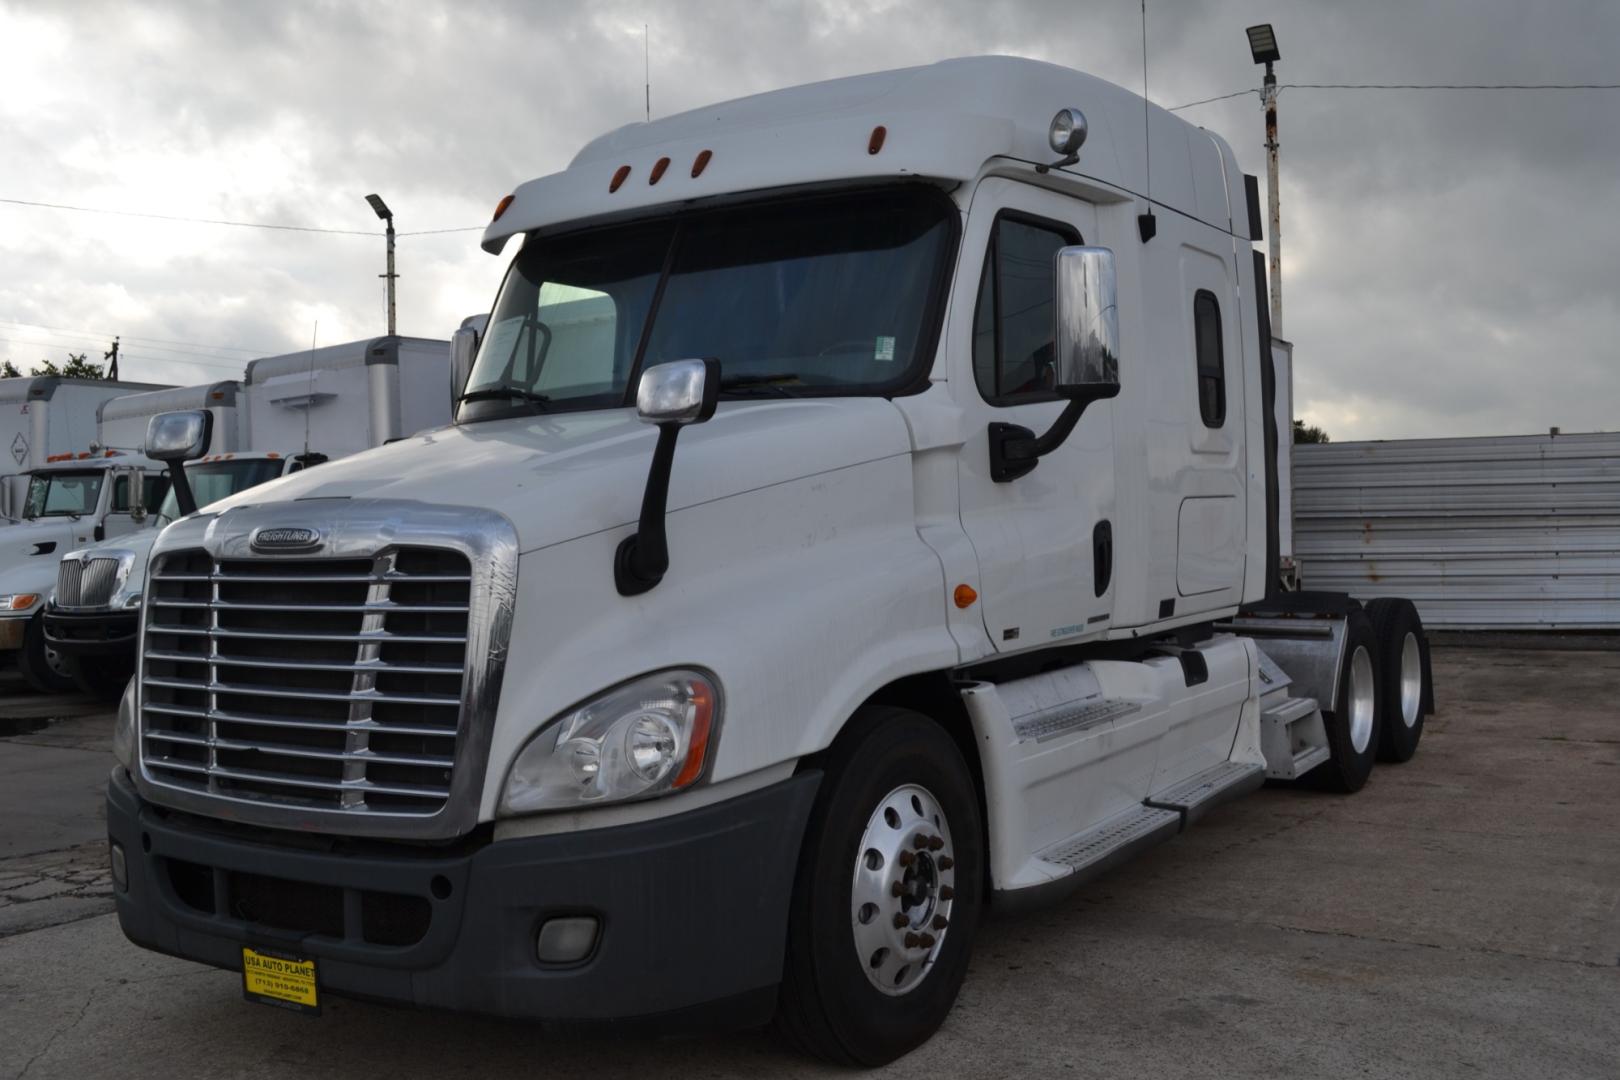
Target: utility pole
[[111, 356], [387, 216], [1263, 46]]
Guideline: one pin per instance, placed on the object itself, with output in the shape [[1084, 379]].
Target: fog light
[[120, 871], [566, 940]]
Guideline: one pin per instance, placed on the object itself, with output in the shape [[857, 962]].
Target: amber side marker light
[[964, 596], [875, 143], [702, 722], [500, 207], [658, 171], [619, 178], [701, 162]]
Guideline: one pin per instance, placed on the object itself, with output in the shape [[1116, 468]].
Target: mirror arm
[[643, 556], [1016, 450], [184, 501]]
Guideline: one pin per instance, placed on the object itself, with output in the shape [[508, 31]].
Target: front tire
[[41, 666], [1357, 712], [889, 893]]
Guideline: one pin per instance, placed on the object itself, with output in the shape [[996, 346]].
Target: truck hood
[[568, 475]]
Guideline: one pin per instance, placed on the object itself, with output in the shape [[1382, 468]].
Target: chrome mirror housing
[[179, 436], [1087, 316], [678, 392]]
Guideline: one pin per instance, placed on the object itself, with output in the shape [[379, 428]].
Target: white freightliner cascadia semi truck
[[860, 510]]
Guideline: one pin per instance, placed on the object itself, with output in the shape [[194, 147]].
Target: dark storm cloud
[[1449, 256]]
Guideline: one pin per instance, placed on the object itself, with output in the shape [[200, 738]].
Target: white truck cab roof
[[941, 122]]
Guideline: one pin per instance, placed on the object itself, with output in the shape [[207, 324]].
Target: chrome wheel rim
[[904, 889], [1411, 680], [1361, 699]]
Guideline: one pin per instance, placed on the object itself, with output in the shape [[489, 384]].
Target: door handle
[[1102, 557]]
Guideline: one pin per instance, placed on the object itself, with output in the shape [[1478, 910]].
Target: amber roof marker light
[[619, 178], [658, 171], [701, 162], [500, 208], [875, 143]]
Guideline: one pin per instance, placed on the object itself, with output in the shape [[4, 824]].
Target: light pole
[[1263, 45], [387, 216]]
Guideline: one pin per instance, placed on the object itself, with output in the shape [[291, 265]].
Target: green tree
[[1308, 433], [8, 370], [78, 366]]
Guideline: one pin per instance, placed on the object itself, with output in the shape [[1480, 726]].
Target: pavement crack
[[56, 1035], [1481, 949]]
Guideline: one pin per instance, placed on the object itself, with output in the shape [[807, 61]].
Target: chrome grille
[[85, 582], [323, 683]]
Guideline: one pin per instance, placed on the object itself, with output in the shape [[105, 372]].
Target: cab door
[[1044, 540]]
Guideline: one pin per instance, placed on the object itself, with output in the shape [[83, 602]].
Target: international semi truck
[[860, 512]]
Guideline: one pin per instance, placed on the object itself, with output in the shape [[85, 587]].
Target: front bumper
[[692, 908], [12, 630], [99, 633]]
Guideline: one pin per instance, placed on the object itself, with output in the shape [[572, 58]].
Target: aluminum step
[[1114, 841], [1199, 794], [1073, 716], [1293, 738]]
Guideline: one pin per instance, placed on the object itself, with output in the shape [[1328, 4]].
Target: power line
[[1404, 86], [234, 224], [216, 362], [80, 331]]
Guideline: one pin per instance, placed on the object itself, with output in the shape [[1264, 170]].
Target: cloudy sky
[[1451, 258]]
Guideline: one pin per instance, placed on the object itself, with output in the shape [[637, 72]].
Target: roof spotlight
[[1068, 132]]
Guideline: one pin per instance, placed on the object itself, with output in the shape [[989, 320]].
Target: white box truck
[[904, 545], [45, 415], [121, 422]]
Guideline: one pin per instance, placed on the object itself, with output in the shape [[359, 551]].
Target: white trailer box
[[121, 422], [355, 395], [45, 415]]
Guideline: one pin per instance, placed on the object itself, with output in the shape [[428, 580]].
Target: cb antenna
[[1145, 223], [309, 390], [646, 67]]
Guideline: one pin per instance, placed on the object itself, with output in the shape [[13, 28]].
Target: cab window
[[1013, 353], [1208, 358]]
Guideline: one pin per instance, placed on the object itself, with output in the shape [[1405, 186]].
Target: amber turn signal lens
[[500, 208], [965, 596], [702, 722]]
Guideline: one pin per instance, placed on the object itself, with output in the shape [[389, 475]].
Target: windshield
[[214, 481], [59, 494], [809, 296]]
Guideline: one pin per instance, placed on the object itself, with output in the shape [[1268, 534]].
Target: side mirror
[[137, 495], [179, 437], [1087, 316], [463, 348], [670, 395], [1085, 338]]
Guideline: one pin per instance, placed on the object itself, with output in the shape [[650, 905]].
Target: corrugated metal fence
[[1510, 532]]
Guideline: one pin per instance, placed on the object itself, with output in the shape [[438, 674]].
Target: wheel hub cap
[[904, 889]]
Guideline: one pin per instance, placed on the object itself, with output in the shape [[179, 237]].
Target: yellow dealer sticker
[[279, 980]]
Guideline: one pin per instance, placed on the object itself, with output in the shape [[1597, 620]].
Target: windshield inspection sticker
[[884, 350]]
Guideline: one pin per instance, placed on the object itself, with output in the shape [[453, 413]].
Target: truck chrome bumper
[[691, 909]]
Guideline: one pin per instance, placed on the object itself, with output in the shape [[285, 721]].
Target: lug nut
[[926, 940], [935, 843], [913, 940], [947, 893], [920, 842], [946, 862], [900, 920], [906, 858], [941, 922], [897, 889]]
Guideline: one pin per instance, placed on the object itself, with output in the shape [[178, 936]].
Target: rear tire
[[1403, 657], [850, 994], [1354, 721], [41, 666]]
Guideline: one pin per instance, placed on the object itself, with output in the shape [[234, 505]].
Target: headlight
[[651, 736]]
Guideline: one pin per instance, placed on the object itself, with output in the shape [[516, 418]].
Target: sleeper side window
[[1207, 356], [1013, 353]]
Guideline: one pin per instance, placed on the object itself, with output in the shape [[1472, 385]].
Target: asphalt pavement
[[1460, 917]]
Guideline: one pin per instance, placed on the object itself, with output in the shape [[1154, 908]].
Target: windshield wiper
[[760, 384], [492, 393]]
